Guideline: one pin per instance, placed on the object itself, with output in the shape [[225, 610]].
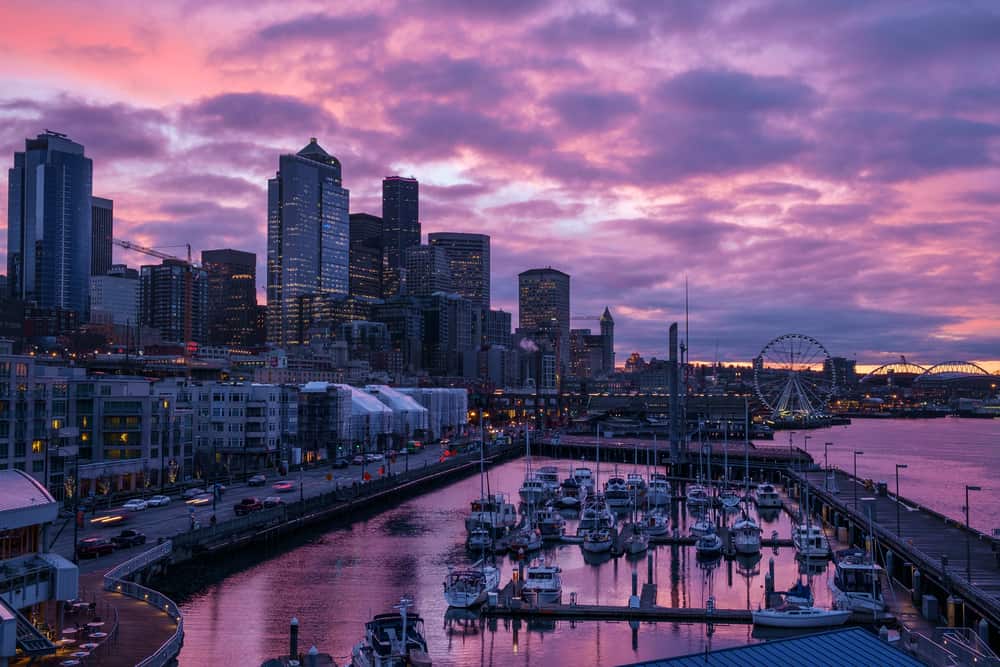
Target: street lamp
[[805, 444], [856, 455], [899, 466], [968, 529], [826, 465]]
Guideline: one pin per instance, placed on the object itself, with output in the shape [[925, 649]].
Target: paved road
[[174, 518]]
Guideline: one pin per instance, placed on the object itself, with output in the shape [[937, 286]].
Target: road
[[167, 521]]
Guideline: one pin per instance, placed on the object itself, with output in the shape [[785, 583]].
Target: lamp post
[[805, 444], [899, 466], [968, 529], [826, 465], [856, 455]]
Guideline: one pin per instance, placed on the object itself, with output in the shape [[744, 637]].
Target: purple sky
[[824, 167]]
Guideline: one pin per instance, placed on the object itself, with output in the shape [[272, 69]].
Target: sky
[[827, 167]]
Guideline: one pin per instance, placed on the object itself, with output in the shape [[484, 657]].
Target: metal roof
[[850, 647], [24, 501]]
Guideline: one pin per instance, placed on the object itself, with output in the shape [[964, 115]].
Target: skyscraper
[[543, 307], [49, 223], [607, 342], [427, 270], [232, 296], [400, 226], [114, 297], [308, 237], [469, 259], [102, 229], [173, 298], [366, 256]]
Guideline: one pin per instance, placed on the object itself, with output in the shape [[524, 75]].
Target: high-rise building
[[114, 297], [427, 270], [173, 298], [232, 296], [400, 227], [102, 215], [49, 224], [448, 333], [496, 328], [308, 237], [469, 259], [543, 308], [366, 256], [607, 342]]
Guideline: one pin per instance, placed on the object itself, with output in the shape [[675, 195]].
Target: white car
[[194, 492], [158, 501], [134, 505]]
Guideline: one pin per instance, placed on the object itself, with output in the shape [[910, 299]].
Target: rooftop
[[24, 501]]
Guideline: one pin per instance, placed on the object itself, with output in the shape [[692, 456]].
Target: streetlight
[[968, 529], [899, 466], [826, 465], [805, 443], [856, 455]]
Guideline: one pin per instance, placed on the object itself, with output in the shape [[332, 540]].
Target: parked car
[[283, 486], [273, 501], [340, 462], [248, 505], [358, 460], [257, 480], [92, 547], [369, 458], [128, 538], [135, 505], [158, 501]]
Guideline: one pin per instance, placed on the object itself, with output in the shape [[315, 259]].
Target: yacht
[[550, 523], [480, 540], [392, 640], [494, 512], [585, 478], [524, 540], [636, 539], [595, 515], [810, 542], [697, 496], [730, 500], [599, 540], [800, 594], [659, 492], [571, 493], [857, 582], [468, 587], [798, 616], [708, 545], [543, 582], [767, 496], [549, 475], [656, 524], [616, 493], [702, 527], [534, 490], [746, 535], [635, 484]]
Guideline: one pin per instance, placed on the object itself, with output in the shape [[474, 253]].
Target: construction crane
[[188, 277], [585, 317]]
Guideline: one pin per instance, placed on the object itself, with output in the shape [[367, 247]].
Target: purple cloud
[[587, 111], [729, 91], [264, 113]]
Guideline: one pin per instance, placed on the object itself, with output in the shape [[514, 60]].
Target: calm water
[[335, 583]]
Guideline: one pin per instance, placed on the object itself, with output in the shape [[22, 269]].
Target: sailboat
[[746, 532], [799, 616], [658, 493], [534, 489], [728, 497]]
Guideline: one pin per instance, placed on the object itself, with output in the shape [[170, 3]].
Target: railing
[[115, 581]]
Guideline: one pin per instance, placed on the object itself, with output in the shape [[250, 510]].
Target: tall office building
[[49, 224], [173, 298], [427, 271], [308, 237], [114, 297], [232, 296], [102, 229], [496, 328], [469, 259], [543, 307], [366, 256], [400, 227], [607, 342]]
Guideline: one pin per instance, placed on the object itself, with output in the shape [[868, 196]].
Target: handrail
[[115, 581]]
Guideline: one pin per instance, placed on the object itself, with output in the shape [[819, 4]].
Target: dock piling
[[293, 638]]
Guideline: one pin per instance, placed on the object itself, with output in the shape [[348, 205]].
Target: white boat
[[595, 515], [494, 512], [571, 493], [796, 616], [659, 492], [585, 478], [635, 483], [480, 540], [392, 640], [550, 523], [800, 594], [697, 495], [598, 541], [708, 545], [543, 583], [549, 475], [857, 582], [533, 491], [746, 535], [767, 496], [655, 523], [616, 493], [702, 527], [810, 542], [524, 540], [636, 539], [468, 587], [730, 499]]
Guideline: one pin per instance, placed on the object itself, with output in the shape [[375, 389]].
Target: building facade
[[366, 256], [427, 271], [114, 297], [496, 328], [400, 227], [173, 298], [102, 216], [469, 261], [308, 237], [232, 296], [544, 308]]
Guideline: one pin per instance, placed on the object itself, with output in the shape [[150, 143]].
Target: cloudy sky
[[826, 167]]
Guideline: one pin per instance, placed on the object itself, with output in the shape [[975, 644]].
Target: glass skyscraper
[[49, 224], [400, 226], [102, 215], [543, 307], [469, 259], [308, 238]]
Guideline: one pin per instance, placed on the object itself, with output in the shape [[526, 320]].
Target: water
[[334, 583]]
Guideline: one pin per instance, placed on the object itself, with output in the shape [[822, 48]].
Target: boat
[[543, 582], [595, 515], [708, 545], [798, 616], [392, 640], [598, 541], [697, 496], [533, 491], [658, 493], [585, 478], [800, 594], [524, 540], [746, 535], [857, 582], [636, 539], [655, 523], [549, 475], [616, 493], [550, 523], [730, 500], [468, 587], [635, 484], [810, 542], [480, 540], [702, 527], [492, 511], [571, 493], [767, 496]]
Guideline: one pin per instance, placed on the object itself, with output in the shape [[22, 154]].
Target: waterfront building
[[448, 333], [427, 271], [49, 227], [544, 308], [238, 424], [409, 418], [496, 328], [366, 256], [469, 261], [447, 409], [173, 298], [324, 421], [400, 228], [371, 422], [102, 216], [308, 238], [232, 296], [114, 297]]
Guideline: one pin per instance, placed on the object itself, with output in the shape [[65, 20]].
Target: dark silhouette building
[[173, 298], [366, 256], [102, 229], [400, 227], [469, 260], [232, 296]]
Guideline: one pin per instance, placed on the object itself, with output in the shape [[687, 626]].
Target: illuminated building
[[232, 296], [469, 261], [400, 227], [427, 271], [544, 304], [102, 229], [173, 298]]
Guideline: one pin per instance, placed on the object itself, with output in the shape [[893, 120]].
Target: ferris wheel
[[793, 377]]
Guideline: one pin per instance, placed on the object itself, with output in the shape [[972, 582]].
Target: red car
[[284, 487], [248, 505], [92, 547]]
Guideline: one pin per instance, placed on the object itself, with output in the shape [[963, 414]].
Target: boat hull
[[777, 619]]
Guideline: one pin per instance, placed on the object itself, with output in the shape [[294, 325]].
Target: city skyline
[[840, 186]]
